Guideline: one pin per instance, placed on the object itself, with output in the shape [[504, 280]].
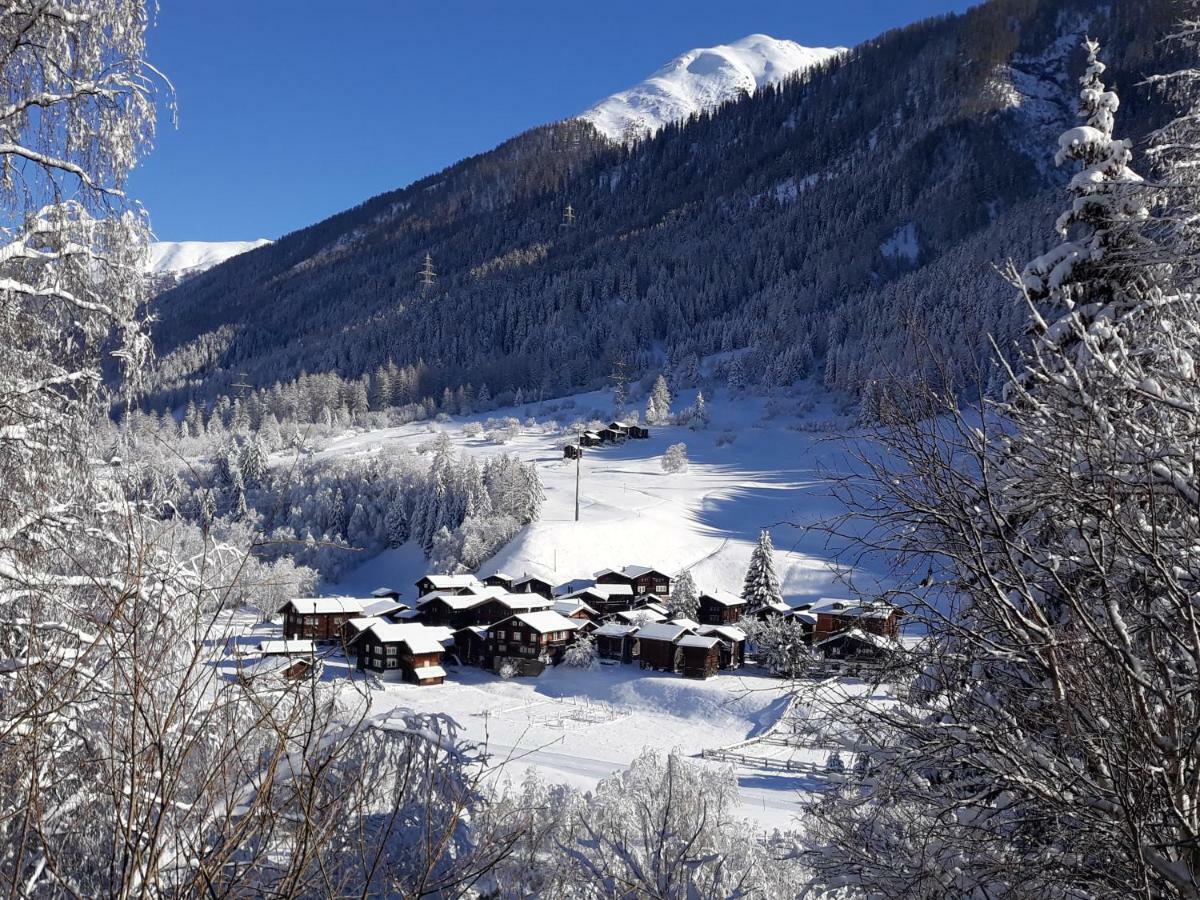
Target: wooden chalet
[[590, 439], [605, 599], [499, 579], [542, 635], [720, 608], [657, 646], [643, 580], [616, 640], [410, 651], [451, 584], [283, 659], [699, 656], [856, 645], [385, 593], [452, 610], [318, 618], [733, 644], [574, 608], [834, 615], [572, 451], [503, 604], [610, 435], [774, 608], [471, 646], [531, 584], [638, 432], [387, 607]]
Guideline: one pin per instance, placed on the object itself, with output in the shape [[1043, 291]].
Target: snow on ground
[[699, 80], [747, 472]]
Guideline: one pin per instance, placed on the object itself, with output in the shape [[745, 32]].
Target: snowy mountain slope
[[184, 258], [702, 79]]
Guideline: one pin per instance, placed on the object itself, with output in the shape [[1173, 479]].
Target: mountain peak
[[702, 79]]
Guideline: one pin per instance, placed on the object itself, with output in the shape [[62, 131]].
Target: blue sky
[[292, 110]]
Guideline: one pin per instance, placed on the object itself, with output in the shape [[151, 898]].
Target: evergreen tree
[[761, 587], [396, 524], [684, 603], [658, 404]]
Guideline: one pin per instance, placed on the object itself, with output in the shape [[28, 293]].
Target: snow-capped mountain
[[702, 79], [182, 259]]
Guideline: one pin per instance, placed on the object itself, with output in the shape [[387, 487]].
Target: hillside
[[838, 224]]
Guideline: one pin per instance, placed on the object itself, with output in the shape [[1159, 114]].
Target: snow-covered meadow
[[758, 464]]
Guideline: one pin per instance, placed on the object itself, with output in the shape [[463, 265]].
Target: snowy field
[[747, 472]]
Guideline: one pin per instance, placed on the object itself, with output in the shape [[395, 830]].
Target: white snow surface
[[699, 80], [183, 258]]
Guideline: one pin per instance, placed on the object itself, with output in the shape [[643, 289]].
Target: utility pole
[[578, 459]]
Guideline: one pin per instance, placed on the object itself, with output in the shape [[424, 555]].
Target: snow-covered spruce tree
[[1049, 745], [779, 643], [658, 404], [761, 586], [684, 604]]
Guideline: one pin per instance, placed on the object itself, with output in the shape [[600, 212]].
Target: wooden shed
[[572, 451], [701, 656], [615, 640], [733, 644], [657, 646]]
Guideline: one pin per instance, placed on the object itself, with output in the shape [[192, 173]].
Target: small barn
[[638, 432], [733, 644], [572, 451], [616, 640], [612, 435], [700, 656], [590, 439], [835, 614], [657, 646], [318, 618], [720, 608], [283, 659]]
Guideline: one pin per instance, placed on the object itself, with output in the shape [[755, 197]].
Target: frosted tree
[[658, 404], [684, 604], [735, 375], [780, 643], [697, 414], [675, 459], [1050, 700], [582, 652], [396, 524], [761, 586]]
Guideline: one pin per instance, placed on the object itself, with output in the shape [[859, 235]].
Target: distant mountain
[[842, 223], [176, 260], [701, 80]]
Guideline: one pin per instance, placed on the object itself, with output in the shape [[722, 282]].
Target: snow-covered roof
[[728, 632], [603, 591], [661, 632], [592, 435], [286, 648], [840, 606], [725, 598], [317, 606], [615, 629], [385, 592], [416, 636], [684, 622], [640, 615], [568, 606], [639, 571], [454, 601], [655, 608], [441, 633], [867, 637], [547, 620], [525, 579], [501, 575], [523, 602], [429, 672], [695, 640], [383, 606], [451, 582], [362, 623]]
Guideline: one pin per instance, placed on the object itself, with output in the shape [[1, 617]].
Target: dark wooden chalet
[[540, 635], [318, 618], [700, 656], [834, 615], [575, 608], [605, 599], [471, 646], [410, 651], [642, 579], [720, 608], [612, 435], [451, 584], [733, 644], [615, 640], [572, 451], [501, 606], [531, 584], [451, 610], [499, 579], [638, 432], [657, 646], [590, 439], [857, 645]]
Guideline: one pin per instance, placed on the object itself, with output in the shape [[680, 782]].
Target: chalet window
[[641, 589], [310, 620], [391, 651]]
